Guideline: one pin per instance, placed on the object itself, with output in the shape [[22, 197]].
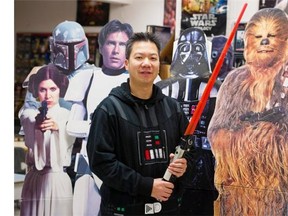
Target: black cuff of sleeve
[[146, 186]]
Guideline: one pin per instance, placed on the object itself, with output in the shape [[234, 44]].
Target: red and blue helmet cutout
[[69, 46]]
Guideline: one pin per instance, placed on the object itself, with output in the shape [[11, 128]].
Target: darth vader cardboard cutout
[[190, 71]]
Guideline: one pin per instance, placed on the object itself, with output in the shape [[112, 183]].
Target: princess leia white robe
[[47, 188]]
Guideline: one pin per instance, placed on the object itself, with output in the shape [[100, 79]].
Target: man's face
[[113, 50], [143, 63]]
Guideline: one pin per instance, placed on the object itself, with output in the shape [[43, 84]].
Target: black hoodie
[[130, 141]]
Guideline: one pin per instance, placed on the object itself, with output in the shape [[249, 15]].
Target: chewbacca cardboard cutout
[[249, 128]]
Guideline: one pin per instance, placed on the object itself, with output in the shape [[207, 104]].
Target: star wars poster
[[170, 14], [208, 15]]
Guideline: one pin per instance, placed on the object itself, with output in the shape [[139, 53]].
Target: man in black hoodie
[[133, 135]]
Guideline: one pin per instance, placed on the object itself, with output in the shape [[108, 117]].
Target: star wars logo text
[[205, 22]]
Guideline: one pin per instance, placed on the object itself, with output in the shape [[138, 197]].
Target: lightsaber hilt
[[185, 145]]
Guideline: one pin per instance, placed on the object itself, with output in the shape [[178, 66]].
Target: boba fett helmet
[[69, 46]]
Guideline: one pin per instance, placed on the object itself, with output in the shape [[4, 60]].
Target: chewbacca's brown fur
[[252, 157]]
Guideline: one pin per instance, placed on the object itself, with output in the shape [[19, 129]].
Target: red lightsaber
[[202, 102]]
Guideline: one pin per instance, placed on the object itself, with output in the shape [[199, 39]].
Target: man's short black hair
[[142, 36]]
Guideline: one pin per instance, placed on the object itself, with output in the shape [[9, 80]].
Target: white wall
[[44, 15], [140, 13], [234, 8]]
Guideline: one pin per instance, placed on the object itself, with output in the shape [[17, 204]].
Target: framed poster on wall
[[94, 54], [238, 59], [208, 15], [239, 38], [92, 13], [268, 3], [162, 32], [170, 14]]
